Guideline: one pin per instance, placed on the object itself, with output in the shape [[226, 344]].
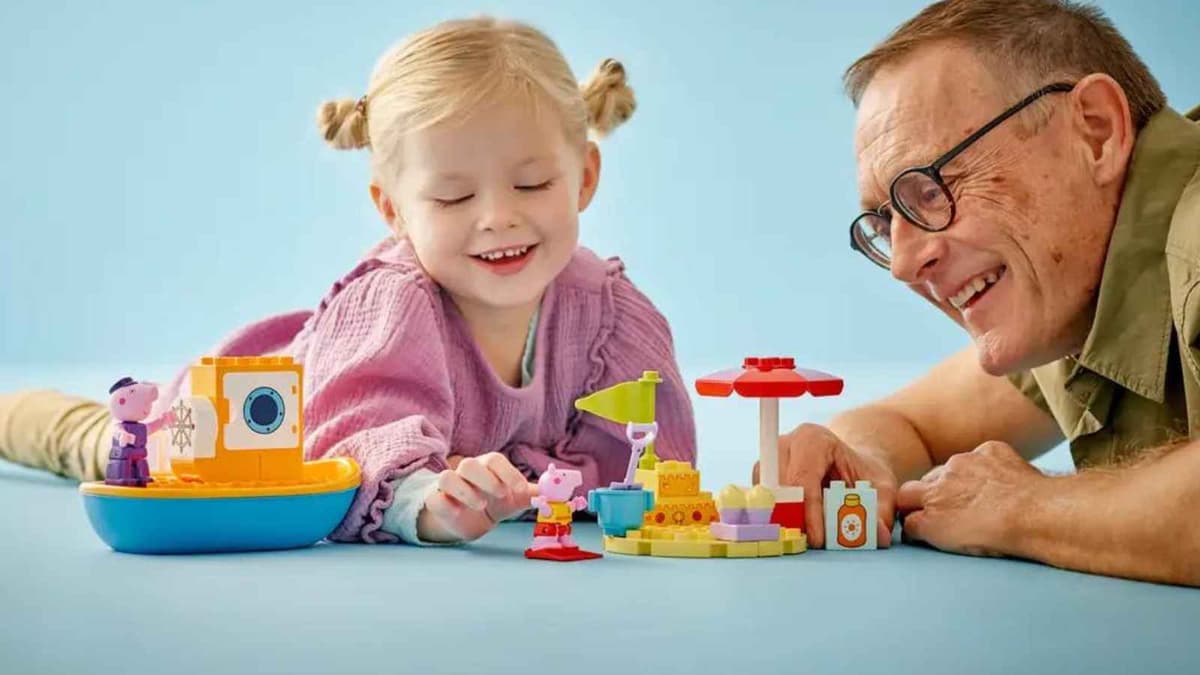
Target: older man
[[1020, 170]]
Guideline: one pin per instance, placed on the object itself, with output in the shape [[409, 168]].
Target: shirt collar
[[1129, 341]]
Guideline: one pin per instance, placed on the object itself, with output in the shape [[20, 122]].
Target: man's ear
[[1102, 118], [591, 175], [387, 209]]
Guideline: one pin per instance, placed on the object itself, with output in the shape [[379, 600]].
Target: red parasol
[[769, 379]]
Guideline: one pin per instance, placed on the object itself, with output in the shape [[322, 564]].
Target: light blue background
[[163, 182]]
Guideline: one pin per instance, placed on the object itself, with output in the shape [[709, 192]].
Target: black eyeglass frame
[[933, 171]]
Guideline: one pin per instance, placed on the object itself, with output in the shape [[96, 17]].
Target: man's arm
[[954, 408], [1141, 522]]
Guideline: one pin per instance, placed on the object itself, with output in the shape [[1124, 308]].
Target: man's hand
[[970, 503], [472, 496], [811, 456]]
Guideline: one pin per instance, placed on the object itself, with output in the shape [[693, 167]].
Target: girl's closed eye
[[544, 185], [452, 201]]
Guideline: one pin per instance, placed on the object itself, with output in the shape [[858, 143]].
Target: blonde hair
[[447, 70], [1024, 43]]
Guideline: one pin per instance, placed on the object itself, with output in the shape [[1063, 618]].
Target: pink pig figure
[[555, 505], [130, 405]]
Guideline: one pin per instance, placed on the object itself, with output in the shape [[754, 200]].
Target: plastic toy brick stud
[[556, 503], [745, 515], [130, 405], [850, 515]]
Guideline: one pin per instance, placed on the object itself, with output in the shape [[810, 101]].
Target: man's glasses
[[920, 194]]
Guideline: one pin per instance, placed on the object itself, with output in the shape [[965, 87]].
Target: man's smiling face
[[1019, 266]]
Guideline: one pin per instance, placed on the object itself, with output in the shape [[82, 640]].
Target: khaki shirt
[[1136, 383]]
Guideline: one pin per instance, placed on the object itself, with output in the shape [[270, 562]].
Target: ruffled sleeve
[[378, 388]]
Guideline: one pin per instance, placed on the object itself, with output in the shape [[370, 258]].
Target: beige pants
[[48, 430]]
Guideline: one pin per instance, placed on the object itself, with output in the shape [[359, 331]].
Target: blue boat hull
[[216, 524]]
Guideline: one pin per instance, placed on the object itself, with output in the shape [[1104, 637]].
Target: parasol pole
[[768, 442]]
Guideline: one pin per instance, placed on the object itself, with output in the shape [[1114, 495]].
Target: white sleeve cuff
[[411, 491]]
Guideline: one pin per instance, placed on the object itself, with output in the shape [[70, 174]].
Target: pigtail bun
[[343, 123], [609, 99]]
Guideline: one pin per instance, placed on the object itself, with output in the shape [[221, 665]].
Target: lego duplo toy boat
[[236, 479]]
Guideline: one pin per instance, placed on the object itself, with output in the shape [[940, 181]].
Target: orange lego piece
[[259, 425]]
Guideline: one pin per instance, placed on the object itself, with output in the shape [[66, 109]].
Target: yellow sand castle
[[678, 499]]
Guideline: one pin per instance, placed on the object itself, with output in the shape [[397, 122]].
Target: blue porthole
[[263, 410]]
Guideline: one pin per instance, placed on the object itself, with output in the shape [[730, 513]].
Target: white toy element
[[850, 516], [193, 434], [273, 393]]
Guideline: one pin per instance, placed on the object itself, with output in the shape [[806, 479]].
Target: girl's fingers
[[482, 478], [454, 485]]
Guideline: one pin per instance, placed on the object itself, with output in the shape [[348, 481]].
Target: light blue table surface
[[70, 605]]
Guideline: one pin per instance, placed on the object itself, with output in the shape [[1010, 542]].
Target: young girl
[[448, 360]]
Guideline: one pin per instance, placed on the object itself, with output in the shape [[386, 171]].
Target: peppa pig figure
[[130, 406], [555, 503]]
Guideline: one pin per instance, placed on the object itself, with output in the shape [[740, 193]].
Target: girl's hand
[[472, 497]]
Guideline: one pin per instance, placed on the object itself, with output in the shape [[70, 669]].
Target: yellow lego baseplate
[[696, 541]]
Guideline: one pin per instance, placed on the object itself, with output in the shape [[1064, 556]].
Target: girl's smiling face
[[491, 202]]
